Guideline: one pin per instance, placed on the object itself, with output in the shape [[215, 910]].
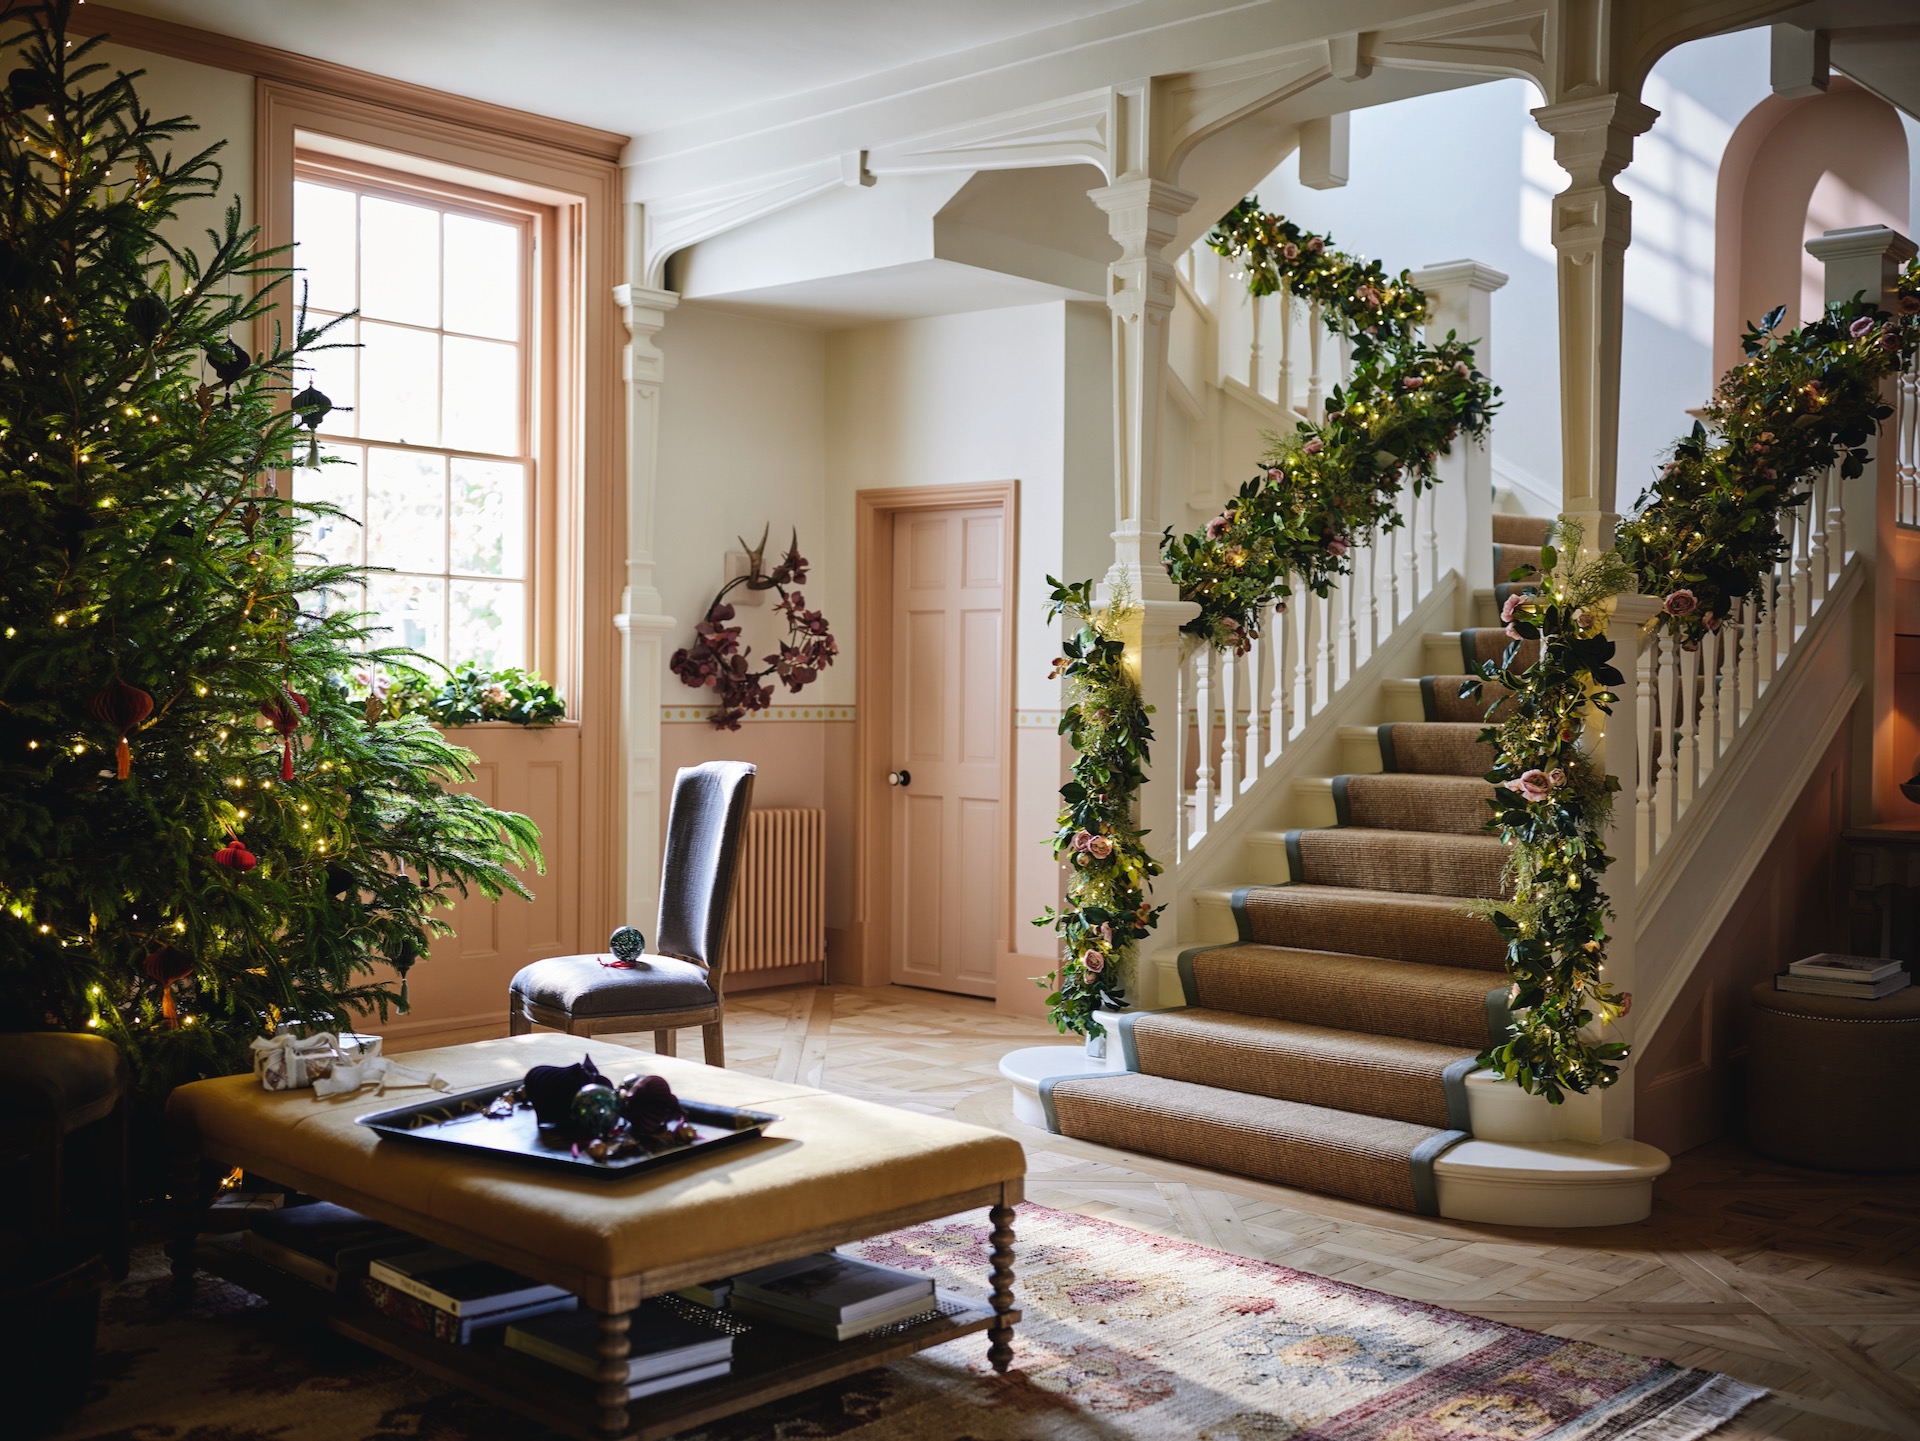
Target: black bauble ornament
[[311, 405], [627, 944], [29, 88], [228, 360], [147, 316]]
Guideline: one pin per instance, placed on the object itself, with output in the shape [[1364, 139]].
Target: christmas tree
[[201, 834]]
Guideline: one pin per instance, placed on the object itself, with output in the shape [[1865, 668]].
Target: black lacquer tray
[[460, 1120]]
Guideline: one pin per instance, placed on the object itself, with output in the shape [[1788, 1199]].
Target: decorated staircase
[[1330, 1046]]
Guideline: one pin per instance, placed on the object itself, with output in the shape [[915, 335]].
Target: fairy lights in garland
[[1707, 536]]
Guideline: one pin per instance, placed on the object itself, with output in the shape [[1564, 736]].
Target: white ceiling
[[629, 66]]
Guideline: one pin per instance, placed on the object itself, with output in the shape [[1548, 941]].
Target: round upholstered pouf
[[1830, 1080]]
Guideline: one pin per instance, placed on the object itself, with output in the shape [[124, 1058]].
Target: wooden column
[[1593, 141], [642, 627]]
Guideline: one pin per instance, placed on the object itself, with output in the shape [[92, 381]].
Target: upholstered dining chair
[[678, 982]]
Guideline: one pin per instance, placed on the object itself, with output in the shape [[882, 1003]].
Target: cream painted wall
[[220, 102]]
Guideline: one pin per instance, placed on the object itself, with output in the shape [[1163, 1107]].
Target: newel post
[[643, 629], [1141, 216], [1865, 261], [1613, 742], [1460, 299]]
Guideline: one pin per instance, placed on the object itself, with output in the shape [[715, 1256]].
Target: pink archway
[[1793, 169]]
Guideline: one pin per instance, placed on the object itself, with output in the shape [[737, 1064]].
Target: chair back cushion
[[703, 849]]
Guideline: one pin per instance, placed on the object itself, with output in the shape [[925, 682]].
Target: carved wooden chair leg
[[664, 1043], [519, 1023], [713, 1042], [1000, 1333]]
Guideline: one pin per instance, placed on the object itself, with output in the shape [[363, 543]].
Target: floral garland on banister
[[1339, 477], [1106, 912], [1707, 536], [1320, 489]]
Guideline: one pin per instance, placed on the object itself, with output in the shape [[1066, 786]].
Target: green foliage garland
[[1339, 478], [1106, 913], [155, 595], [1707, 536], [470, 694], [1320, 489]]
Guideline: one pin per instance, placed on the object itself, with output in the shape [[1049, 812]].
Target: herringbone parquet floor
[[1799, 1281]]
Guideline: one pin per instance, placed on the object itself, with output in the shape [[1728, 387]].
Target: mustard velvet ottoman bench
[[832, 1169]]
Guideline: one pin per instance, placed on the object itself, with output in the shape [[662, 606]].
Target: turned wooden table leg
[[1000, 1333], [610, 1376]]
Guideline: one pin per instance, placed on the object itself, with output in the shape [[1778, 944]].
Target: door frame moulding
[[874, 513], [588, 441]]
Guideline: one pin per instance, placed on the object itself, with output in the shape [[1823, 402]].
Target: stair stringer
[[1690, 889], [1195, 891]]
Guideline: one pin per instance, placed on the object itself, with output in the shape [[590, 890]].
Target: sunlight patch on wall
[[1669, 265], [1834, 205]]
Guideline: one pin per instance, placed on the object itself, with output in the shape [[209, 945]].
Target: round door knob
[[899, 778]]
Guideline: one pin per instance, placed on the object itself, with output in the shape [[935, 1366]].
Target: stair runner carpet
[[1328, 1048]]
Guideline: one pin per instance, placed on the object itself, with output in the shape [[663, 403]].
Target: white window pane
[[399, 261], [332, 539], [483, 277], [489, 620], [350, 600], [489, 518], [323, 245], [399, 384], [482, 402], [330, 367], [408, 610], [406, 510]]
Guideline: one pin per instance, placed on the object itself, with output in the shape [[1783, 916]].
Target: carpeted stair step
[[1520, 530], [1513, 587], [1422, 862], [1418, 1082], [1435, 748], [1440, 697], [1484, 643], [1437, 930], [1511, 562], [1448, 1005], [1443, 803], [1364, 1158]]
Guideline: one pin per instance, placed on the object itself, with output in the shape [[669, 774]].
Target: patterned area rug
[[1125, 1335]]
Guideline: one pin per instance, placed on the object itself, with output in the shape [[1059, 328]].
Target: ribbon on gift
[[286, 1062], [376, 1071]]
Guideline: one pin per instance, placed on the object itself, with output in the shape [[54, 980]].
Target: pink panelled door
[[949, 723]]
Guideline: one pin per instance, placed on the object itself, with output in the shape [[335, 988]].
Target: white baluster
[[1373, 593], [1766, 638], [1278, 623], [1802, 571], [1254, 754], [1736, 706], [1686, 728], [1203, 706], [1668, 794], [1326, 664], [1300, 692], [1257, 305], [1836, 523], [1788, 588], [1229, 740], [1646, 760], [1385, 541], [1410, 557], [1433, 539], [1285, 395], [1182, 841], [1817, 548], [1350, 589], [1316, 394], [1310, 645]]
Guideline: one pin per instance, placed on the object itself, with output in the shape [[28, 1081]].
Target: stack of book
[[1864, 978], [831, 1295], [453, 1297], [666, 1347], [323, 1243]]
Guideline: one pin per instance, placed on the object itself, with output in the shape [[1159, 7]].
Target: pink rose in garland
[[1093, 963], [1681, 602], [1531, 786], [1100, 847]]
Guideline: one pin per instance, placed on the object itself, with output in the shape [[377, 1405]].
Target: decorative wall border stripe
[[685, 715], [1036, 720]]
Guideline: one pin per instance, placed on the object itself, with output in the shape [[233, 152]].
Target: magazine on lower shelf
[[321, 1242], [830, 1287], [417, 1315], [662, 1342], [834, 1330], [459, 1285]]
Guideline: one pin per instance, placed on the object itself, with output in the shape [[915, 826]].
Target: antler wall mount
[[718, 659]]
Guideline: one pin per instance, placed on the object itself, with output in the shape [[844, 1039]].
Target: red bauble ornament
[[284, 714], [235, 856], [123, 707]]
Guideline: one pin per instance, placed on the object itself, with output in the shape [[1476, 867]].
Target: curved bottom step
[[1030, 1065], [1549, 1184]]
